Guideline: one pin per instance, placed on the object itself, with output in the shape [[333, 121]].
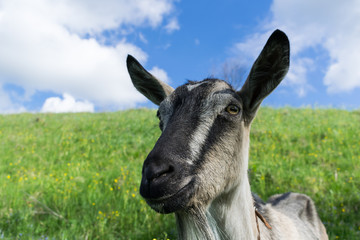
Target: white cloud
[[91, 16], [343, 74], [142, 38], [160, 74], [67, 104], [42, 46], [251, 47], [172, 26], [329, 25], [296, 78], [7, 106]]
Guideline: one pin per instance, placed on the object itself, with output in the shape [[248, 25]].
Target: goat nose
[[154, 172]]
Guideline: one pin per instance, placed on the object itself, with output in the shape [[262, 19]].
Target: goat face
[[199, 123], [202, 151]]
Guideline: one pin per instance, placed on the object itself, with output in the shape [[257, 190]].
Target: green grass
[[76, 176]]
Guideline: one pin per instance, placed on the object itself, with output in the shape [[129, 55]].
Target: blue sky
[[69, 56]]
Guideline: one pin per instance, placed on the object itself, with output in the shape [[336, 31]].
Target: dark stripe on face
[[182, 122], [217, 131], [182, 128]]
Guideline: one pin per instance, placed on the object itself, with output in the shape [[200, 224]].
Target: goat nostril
[[165, 173], [160, 173]]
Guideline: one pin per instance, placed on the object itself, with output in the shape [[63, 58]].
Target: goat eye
[[233, 109]]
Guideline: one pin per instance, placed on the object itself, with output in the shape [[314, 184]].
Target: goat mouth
[[173, 202]]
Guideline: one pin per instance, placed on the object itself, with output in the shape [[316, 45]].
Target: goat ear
[[267, 72], [152, 88]]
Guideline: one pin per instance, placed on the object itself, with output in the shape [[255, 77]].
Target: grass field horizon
[[76, 176]]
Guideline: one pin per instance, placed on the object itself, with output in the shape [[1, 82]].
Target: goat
[[198, 166]]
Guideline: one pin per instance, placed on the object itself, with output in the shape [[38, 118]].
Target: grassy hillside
[[76, 176]]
